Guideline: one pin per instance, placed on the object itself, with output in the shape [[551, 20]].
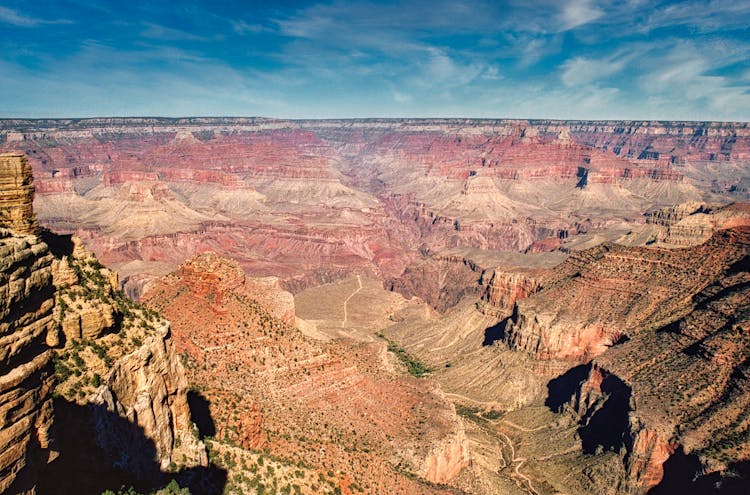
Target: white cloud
[[492, 74], [10, 16], [580, 71], [576, 13]]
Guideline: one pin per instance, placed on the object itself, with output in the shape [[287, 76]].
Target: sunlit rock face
[[316, 201], [57, 300], [17, 194], [25, 380]]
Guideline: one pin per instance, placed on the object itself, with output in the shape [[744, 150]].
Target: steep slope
[[608, 294], [339, 408], [25, 379], [88, 381]]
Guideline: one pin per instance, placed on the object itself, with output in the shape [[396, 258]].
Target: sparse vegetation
[[413, 365]]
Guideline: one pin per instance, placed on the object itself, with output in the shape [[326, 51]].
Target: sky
[[561, 59]]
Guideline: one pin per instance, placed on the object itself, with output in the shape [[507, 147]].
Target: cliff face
[[607, 294], [663, 390], [148, 387], [59, 304], [26, 318], [120, 385], [17, 194]]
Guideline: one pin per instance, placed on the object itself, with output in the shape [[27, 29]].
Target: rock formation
[[609, 293], [148, 387], [26, 312], [691, 401], [140, 190], [17, 194], [60, 304]]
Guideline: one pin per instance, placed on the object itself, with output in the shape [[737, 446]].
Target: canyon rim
[[468, 248]]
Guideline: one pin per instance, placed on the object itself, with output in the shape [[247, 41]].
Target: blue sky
[[618, 59]]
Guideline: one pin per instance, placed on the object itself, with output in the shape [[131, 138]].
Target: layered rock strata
[[607, 294], [140, 190], [17, 194], [26, 318], [114, 370]]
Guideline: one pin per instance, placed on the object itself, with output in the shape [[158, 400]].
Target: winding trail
[[346, 301], [518, 461], [522, 480]]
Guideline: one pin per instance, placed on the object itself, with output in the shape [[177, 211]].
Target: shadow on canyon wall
[[495, 333], [608, 426], [100, 450], [201, 414], [682, 474], [561, 389], [60, 245]]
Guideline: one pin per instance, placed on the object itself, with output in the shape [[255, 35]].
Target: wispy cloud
[[15, 18], [159, 32], [243, 27], [706, 16], [579, 71], [576, 13]]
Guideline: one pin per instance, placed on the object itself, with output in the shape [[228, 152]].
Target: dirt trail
[[518, 461], [346, 313], [519, 427]]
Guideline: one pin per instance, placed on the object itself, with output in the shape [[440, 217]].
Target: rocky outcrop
[[446, 460], [119, 380], [26, 318], [60, 304], [440, 280], [607, 294], [507, 287], [17, 194], [148, 387], [213, 278]]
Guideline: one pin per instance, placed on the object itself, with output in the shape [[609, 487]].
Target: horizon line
[[367, 119]]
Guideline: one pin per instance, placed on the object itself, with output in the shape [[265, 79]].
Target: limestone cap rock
[[17, 194]]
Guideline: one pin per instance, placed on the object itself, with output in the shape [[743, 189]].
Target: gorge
[[374, 306]]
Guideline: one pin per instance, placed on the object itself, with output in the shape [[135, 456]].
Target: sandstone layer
[[25, 379], [17, 194]]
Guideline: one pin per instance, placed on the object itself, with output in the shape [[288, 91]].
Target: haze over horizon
[[572, 59]]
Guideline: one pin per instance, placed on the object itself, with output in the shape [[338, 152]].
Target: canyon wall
[[26, 381], [61, 307], [660, 335], [145, 194]]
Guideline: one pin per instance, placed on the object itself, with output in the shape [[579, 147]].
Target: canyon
[[375, 306], [312, 202]]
